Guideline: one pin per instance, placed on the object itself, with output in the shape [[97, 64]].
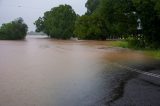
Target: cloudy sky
[[30, 10]]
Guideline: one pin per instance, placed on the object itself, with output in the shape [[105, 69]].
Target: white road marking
[[137, 70]]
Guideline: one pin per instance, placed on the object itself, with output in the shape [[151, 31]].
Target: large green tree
[[58, 22], [90, 27], [119, 16], [14, 30]]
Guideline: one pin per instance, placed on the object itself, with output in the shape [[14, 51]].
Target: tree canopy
[[58, 22], [14, 30]]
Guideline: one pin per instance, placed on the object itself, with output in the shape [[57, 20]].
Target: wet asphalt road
[[44, 72]]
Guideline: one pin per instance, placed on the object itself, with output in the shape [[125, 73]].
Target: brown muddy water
[[43, 72]]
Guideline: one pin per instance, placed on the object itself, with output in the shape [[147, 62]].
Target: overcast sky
[[30, 10]]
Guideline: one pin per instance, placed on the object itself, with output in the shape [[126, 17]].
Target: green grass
[[123, 44], [149, 52], [153, 53]]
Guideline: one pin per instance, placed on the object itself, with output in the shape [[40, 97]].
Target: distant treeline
[[138, 21], [14, 30]]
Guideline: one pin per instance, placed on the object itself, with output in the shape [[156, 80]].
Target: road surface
[[44, 72]]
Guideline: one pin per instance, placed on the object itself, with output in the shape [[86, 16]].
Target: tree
[[39, 24], [14, 30], [58, 22], [91, 6], [119, 16], [157, 7], [149, 13], [90, 27]]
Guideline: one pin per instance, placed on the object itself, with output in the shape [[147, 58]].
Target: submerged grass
[[124, 44]]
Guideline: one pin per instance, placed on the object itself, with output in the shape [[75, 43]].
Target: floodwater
[[44, 72]]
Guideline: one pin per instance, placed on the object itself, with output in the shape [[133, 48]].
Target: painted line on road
[[137, 70]]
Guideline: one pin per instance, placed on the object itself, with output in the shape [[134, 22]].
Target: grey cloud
[[30, 10]]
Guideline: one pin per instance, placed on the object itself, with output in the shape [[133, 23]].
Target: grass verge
[[124, 44], [153, 53]]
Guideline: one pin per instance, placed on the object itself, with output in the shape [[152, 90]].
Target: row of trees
[[119, 18], [106, 19], [14, 30]]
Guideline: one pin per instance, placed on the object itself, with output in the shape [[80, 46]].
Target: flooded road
[[44, 72]]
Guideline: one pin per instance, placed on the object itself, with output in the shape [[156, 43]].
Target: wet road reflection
[[44, 72]]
